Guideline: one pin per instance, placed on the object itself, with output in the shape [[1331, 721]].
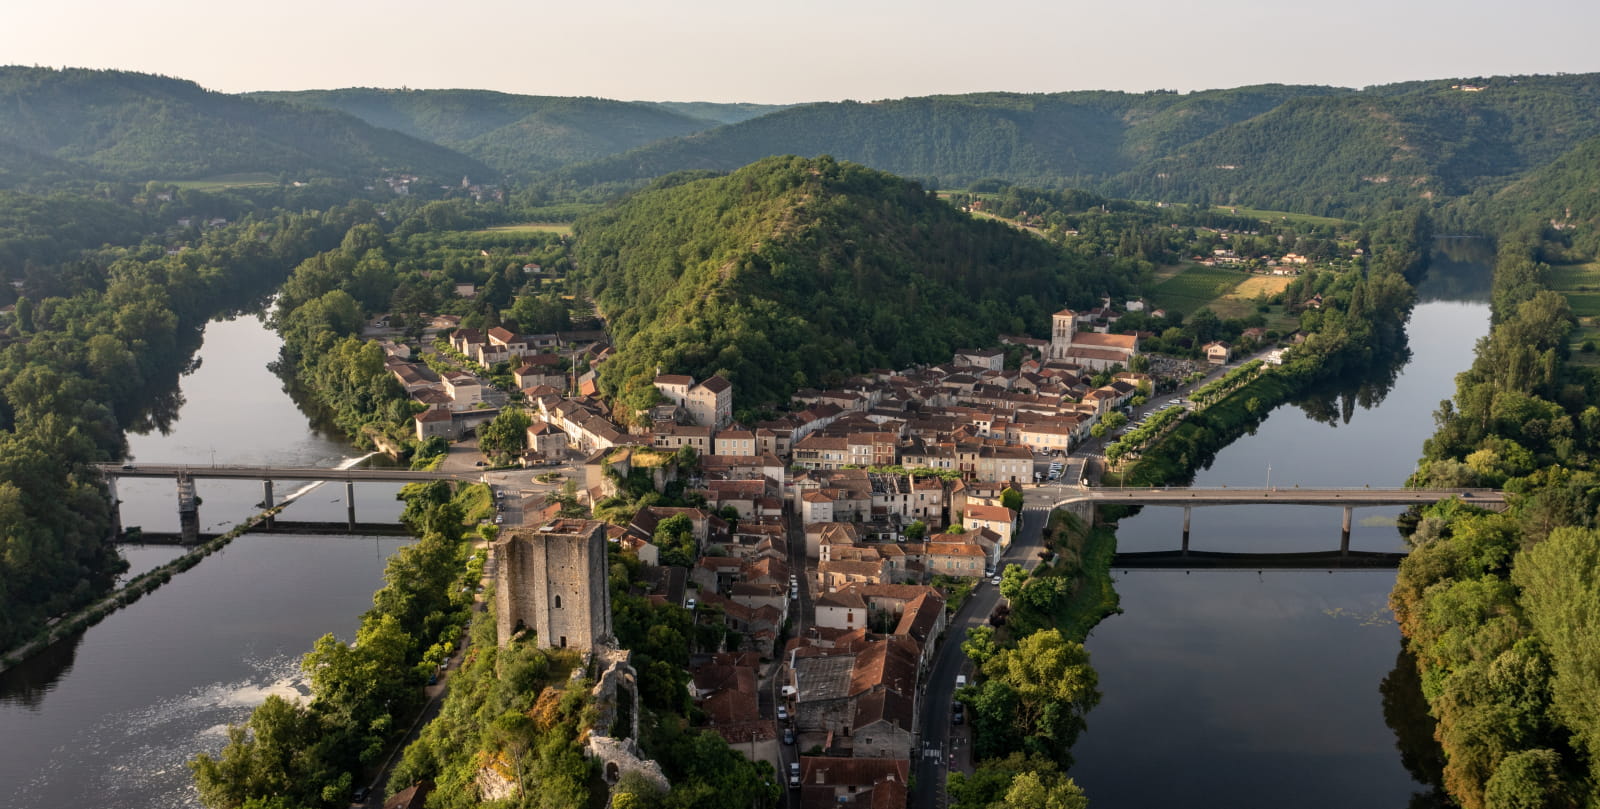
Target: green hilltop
[[794, 271], [105, 124]]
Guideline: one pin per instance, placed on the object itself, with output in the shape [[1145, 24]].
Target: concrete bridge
[[189, 506], [1188, 497]]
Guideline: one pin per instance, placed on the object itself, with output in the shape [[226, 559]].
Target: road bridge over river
[[189, 506], [1188, 497]]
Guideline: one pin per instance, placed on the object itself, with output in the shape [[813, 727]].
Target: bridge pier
[[116, 507], [266, 500], [188, 510], [350, 504], [1344, 532], [1187, 511]]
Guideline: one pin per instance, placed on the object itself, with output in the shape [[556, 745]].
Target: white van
[[961, 680]]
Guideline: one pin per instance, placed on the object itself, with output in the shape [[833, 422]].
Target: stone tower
[[1063, 325], [553, 581]]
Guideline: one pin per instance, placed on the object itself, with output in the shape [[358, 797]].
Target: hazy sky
[[755, 50]]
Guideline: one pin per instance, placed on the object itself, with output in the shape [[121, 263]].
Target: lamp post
[[1269, 477]]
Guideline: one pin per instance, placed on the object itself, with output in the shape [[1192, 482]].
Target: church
[[1088, 349]]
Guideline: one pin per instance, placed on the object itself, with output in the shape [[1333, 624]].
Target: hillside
[[794, 272], [1566, 192], [138, 127], [722, 113], [512, 133], [1422, 140], [1312, 149]]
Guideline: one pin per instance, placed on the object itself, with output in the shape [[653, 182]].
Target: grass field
[[531, 227], [227, 181], [1196, 287], [1581, 284], [1575, 277], [1279, 216]]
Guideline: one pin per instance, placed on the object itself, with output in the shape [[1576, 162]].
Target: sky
[[821, 50]]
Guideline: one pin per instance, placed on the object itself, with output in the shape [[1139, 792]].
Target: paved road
[[932, 759]]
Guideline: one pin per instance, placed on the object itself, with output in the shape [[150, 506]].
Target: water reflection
[[1260, 687], [1406, 713], [28, 682]]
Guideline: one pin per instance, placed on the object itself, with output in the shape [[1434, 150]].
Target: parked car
[[783, 713], [794, 775], [788, 735]]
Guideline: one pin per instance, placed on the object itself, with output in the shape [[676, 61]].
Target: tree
[[1559, 581], [1032, 790], [1529, 779], [1011, 498], [979, 646], [1054, 686], [916, 530], [506, 437]]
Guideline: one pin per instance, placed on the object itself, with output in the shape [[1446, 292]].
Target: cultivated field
[[1581, 284], [1196, 287], [1278, 216], [222, 181], [531, 227]]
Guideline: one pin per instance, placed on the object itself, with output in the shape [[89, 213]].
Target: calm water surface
[[108, 717], [1262, 689]]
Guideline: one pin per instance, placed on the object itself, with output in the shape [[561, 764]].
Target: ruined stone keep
[[552, 580]]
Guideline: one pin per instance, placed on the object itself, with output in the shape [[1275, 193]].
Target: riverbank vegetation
[[1502, 611], [1035, 685], [1357, 325], [95, 345], [312, 754]]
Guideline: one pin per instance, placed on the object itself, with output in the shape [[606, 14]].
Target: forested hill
[[794, 272], [1313, 149], [1566, 193], [134, 126], [1042, 139], [512, 133]]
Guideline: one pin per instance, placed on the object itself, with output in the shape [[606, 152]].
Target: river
[[1262, 689], [109, 717]]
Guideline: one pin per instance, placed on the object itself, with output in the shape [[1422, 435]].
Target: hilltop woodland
[[792, 272], [1502, 610]]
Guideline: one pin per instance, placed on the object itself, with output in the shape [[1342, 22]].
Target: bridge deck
[[280, 473], [1194, 496]]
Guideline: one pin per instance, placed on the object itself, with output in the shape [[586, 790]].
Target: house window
[[849, 617]]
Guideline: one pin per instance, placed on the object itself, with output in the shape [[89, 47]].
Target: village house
[[860, 782], [999, 519], [736, 442], [863, 701], [955, 558], [547, 443], [1218, 352], [465, 390]]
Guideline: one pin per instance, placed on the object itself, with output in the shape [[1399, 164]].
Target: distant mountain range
[[1312, 149], [133, 126], [518, 134]]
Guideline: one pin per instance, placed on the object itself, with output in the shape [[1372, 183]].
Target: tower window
[[558, 602]]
